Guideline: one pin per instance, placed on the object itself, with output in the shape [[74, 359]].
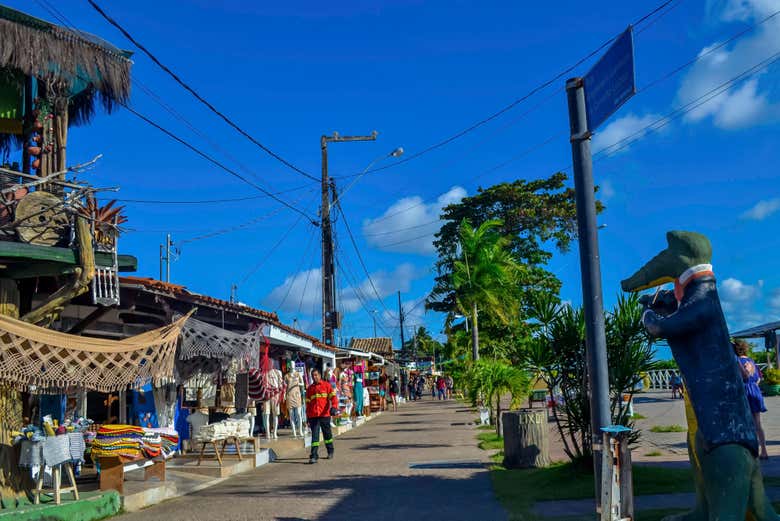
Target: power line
[[270, 252], [197, 96], [519, 100], [303, 260], [217, 163], [68, 23], [360, 257], [209, 201], [652, 127], [558, 135], [362, 298]]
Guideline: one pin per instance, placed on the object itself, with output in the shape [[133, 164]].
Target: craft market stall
[[45, 362]]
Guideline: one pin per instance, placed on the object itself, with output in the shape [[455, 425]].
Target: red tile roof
[[179, 291]]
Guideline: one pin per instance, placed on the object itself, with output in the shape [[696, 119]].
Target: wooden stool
[[58, 489], [216, 450], [233, 440]]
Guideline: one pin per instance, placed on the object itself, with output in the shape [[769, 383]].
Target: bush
[[668, 428], [772, 376]]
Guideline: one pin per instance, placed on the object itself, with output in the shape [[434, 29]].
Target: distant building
[[382, 346]]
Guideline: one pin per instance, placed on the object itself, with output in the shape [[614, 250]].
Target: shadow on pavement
[[402, 497], [401, 446]]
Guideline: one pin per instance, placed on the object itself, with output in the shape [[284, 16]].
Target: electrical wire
[[700, 56], [218, 163], [270, 252], [306, 255], [360, 258], [68, 23], [197, 96], [656, 125], [516, 102]]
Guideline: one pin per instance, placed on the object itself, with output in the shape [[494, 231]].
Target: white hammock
[[199, 339]]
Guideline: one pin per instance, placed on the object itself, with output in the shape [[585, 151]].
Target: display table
[[113, 468], [220, 452]]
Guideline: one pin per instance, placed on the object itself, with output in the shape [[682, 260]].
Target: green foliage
[[490, 441], [668, 428], [638, 416], [665, 364], [557, 355], [488, 380], [535, 218], [772, 376], [423, 345], [653, 454], [569, 481]]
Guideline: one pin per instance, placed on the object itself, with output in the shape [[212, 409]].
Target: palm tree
[[493, 379], [484, 276]]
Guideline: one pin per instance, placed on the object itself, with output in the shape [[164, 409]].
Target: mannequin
[[272, 398], [357, 390], [293, 382]]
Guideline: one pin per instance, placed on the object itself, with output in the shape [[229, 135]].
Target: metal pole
[[401, 319], [162, 257], [595, 338], [168, 257], [373, 315]]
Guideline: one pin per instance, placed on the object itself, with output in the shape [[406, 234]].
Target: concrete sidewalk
[[371, 476]]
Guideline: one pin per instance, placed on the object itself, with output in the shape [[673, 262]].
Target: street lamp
[[398, 152]]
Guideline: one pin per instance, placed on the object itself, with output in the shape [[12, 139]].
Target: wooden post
[[526, 438]]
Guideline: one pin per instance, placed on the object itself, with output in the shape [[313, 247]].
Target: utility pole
[[233, 293], [165, 257], [401, 319], [330, 317]]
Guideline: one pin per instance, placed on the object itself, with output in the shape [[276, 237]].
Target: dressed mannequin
[[293, 383], [271, 401], [357, 390]]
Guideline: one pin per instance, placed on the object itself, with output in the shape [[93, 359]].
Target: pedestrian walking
[[420, 387], [677, 385], [393, 388], [441, 387], [450, 386], [410, 389], [751, 376], [321, 403]]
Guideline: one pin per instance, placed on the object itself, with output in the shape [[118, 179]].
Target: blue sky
[[418, 72]]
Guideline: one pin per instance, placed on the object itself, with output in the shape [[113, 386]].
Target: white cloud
[[303, 289], [747, 104], [734, 291], [629, 128], [408, 225], [762, 209]]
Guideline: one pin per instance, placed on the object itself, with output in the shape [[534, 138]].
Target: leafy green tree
[[557, 355], [422, 345], [537, 216], [484, 276], [490, 380]]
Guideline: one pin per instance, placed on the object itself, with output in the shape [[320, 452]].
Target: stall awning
[[36, 356]]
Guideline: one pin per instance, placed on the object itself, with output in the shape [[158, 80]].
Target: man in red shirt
[[321, 402]]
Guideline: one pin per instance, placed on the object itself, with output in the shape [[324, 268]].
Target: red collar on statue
[[691, 274]]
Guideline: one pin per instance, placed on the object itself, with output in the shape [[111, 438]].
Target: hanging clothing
[[357, 393]]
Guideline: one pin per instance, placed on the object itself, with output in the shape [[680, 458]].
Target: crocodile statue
[[722, 441]]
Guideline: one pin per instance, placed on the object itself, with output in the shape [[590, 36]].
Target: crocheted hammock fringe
[[35, 356], [199, 339]]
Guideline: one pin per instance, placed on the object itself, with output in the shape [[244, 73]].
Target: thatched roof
[[93, 68]]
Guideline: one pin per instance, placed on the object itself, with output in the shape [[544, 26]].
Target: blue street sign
[[611, 82]]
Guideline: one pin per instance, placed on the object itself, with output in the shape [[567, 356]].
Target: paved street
[[371, 476]]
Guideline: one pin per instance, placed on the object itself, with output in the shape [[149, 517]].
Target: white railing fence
[[661, 379]]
